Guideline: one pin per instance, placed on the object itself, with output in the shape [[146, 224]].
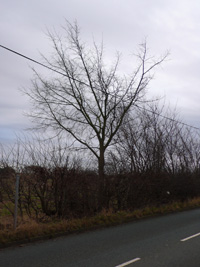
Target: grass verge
[[31, 231]]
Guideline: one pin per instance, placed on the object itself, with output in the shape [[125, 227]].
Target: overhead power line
[[41, 64], [74, 79], [165, 117]]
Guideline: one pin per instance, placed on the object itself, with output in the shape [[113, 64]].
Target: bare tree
[[90, 100]]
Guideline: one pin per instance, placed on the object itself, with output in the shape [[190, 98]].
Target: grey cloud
[[173, 25]]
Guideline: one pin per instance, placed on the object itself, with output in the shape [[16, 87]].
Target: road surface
[[170, 240]]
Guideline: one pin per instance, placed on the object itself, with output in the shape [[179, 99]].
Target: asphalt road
[[172, 240]]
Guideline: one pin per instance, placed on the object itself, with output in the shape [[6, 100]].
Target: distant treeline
[[154, 160]]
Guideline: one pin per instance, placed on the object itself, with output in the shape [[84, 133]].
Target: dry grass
[[29, 230]]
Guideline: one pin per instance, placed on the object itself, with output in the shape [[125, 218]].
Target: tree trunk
[[101, 177], [101, 166]]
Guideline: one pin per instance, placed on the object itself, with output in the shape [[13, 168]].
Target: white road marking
[[128, 262], [192, 236]]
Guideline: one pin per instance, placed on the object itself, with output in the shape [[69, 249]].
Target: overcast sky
[[167, 25]]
